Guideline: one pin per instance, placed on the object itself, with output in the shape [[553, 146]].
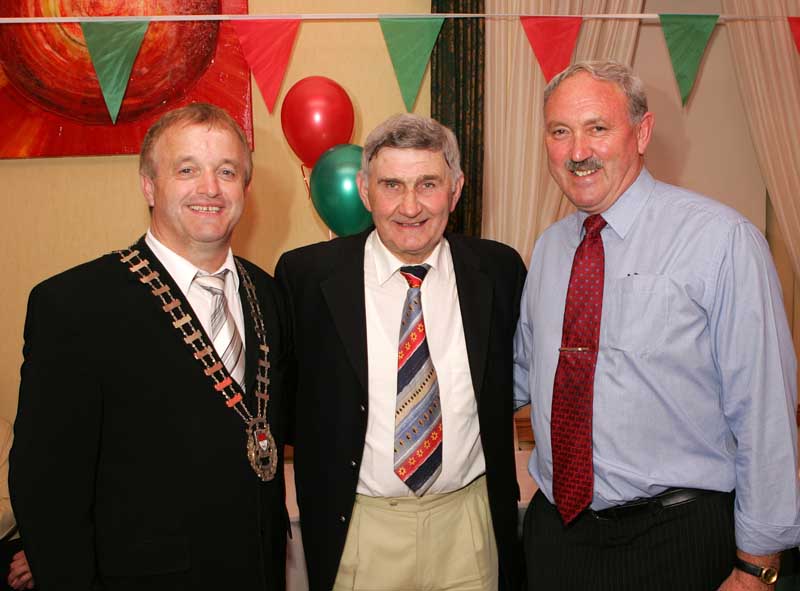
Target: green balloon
[[334, 191]]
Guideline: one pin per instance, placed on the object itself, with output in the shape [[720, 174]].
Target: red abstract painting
[[50, 100]]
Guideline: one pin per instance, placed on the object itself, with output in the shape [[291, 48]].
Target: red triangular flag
[[794, 25], [553, 40], [267, 45]]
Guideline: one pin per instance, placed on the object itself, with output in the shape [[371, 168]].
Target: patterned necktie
[[222, 330], [573, 388], [418, 416]]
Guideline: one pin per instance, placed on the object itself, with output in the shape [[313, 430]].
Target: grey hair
[[413, 132], [608, 71]]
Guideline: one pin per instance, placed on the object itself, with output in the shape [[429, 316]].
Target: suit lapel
[[155, 264], [147, 254], [475, 293], [251, 340], [344, 293]]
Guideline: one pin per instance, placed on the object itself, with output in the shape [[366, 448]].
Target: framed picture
[[50, 100]]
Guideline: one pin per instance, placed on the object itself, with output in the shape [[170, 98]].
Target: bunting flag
[[687, 36], [794, 25], [267, 46], [410, 42], [113, 48], [553, 40]]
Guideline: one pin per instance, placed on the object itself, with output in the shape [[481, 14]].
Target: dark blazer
[[128, 471], [325, 288]]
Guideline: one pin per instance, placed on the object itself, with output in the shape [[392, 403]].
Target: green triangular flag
[[410, 42], [687, 36], [113, 48]]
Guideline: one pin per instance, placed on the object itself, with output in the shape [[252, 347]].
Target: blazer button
[[363, 408], [353, 463], [342, 518]]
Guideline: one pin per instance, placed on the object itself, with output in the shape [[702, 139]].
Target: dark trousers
[[688, 547]]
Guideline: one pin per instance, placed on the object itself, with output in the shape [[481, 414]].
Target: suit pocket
[[138, 558]]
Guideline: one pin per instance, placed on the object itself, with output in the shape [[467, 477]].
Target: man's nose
[[410, 206], [580, 149], [209, 184]]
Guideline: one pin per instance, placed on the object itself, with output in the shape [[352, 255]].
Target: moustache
[[584, 165]]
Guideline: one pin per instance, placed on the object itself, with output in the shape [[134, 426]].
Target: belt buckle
[[610, 514], [619, 512]]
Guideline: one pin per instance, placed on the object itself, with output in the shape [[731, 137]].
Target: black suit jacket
[[128, 471], [325, 289]]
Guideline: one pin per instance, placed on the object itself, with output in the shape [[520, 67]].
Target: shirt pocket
[[636, 313]]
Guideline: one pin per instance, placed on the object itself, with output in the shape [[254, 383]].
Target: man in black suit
[[371, 515], [145, 454]]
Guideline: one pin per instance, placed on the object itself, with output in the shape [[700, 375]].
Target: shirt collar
[[624, 211], [181, 270], [387, 264]]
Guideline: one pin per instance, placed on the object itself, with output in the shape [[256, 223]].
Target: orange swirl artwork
[[50, 99]]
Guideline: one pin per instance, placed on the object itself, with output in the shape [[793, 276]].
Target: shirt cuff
[[760, 539]]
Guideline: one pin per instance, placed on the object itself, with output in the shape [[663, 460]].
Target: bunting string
[[22, 20]]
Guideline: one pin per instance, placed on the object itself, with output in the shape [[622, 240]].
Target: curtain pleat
[[457, 79], [767, 68]]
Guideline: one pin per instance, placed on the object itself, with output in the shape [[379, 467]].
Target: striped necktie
[[418, 417], [222, 329]]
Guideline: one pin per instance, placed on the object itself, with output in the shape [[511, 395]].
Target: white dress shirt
[[183, 273], [385, 292]]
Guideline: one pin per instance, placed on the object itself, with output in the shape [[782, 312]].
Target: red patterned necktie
[[573, 387], [418, 416]]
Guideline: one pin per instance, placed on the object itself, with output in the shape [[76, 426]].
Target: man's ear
[[645, 132], [148, 189], [456, 192], [363, 190]]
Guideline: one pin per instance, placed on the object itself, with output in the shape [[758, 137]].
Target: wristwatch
[[765, 574]]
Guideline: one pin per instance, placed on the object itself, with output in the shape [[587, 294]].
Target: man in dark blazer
[[145, 457], [363, 525]]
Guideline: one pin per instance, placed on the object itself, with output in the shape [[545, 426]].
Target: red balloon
[[316, 115]]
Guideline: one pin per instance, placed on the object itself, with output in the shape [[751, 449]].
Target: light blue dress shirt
[[695, 383]]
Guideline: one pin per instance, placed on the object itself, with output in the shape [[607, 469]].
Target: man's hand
[[19, 574], [742, 581]]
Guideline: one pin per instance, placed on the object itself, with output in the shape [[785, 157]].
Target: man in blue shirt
[[692, 443]]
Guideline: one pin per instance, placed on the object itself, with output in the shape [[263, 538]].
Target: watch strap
[[765, 574]]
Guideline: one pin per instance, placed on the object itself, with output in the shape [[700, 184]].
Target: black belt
[[672, 497]]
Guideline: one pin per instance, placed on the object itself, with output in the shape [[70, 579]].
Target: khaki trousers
[[434, 543]]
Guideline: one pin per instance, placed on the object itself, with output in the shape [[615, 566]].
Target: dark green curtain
[[457, 65]]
